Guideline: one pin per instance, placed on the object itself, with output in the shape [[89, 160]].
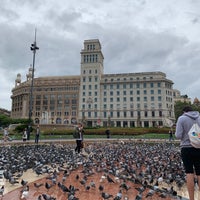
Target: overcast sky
[[136, 36]]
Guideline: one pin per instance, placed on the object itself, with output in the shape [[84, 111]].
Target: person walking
[[170, 135], [79, 137], [37, 134], [24, 136], [189, 154], [5, 134]]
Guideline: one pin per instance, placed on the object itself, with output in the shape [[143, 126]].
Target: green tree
[[5, 121], [179, 105]]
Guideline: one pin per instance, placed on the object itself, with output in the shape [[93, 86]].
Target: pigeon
[[23, 182], [118, 196], [110, 180], [106, 195], [125, 186], [48, 197], [2, 190], [48, 185], [101, 188], [38, 185], [25, 192], [63, 187], [92, 184], [13, 181]]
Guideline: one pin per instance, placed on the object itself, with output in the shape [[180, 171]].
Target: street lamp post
[[33, 48]]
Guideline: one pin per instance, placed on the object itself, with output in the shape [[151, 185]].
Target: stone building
[[121, 100]]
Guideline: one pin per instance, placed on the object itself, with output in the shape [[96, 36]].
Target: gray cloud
[[136, 36]]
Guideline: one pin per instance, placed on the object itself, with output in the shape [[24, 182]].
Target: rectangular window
[[132, 114], [111, 114]]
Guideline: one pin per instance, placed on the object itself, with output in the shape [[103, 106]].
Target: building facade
[[120, 100]]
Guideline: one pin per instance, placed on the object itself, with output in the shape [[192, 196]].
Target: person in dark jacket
[[79, 137], [108, 133], [37, 134], [189, 154]]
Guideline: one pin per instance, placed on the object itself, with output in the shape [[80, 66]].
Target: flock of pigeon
[[113, 170]]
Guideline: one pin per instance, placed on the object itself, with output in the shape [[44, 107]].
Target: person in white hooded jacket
[[190, 155]]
